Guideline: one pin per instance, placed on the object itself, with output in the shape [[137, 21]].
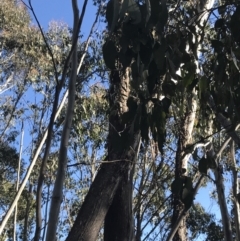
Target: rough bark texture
[[118, 222], [185, 136], [112, 182], [97, 202]]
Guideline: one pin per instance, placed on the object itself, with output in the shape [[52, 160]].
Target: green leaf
[[188, 79], [163, 17], [132, 104], [235, 24], [187, 198], [176, 186], [145, 53], [188, 71], [203, 165], [221, 10], [168, 87], [134, 13], [188, 183], [109, 13], [166, 102], [109, 54], [159, 54], [203, 82], [126, 58], [217, 45], [219, 24]]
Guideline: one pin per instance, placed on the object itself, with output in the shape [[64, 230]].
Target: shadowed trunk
[[119, 222], [112, 184]]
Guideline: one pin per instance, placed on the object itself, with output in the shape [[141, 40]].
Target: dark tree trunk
[[118, 222], [97, 202], [113, 181]]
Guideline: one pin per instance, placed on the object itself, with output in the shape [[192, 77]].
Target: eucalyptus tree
[[140, 40], [31, 61], [173, 86]]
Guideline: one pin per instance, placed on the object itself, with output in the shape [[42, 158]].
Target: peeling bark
[[185, 137]]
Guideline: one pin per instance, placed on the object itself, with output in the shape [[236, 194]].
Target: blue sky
[[61, 10]]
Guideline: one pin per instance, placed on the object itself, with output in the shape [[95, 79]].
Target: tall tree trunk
[[217, 171], [17, 184], [62, 161], [187, 128], [27, 211], [119, 222], [97, 202], [113, 177], [119, 219], [185, 137], [235, 187]]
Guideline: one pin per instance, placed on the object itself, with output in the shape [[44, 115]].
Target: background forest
[[112, 136]]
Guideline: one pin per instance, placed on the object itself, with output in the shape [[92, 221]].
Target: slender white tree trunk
[[62, 160], [219, 182], [29, 170], [18, 180], [179, 232]]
